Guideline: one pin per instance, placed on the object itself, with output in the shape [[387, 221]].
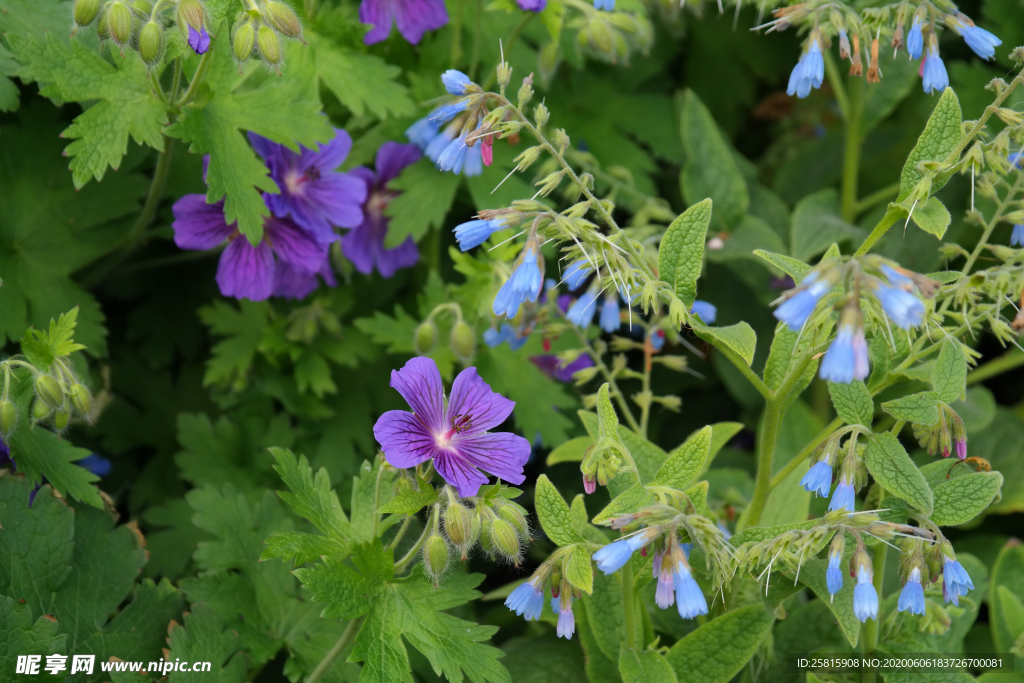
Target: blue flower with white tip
[[833, 574], [456, 82], [576, 274], [933, 73], [818, 479], [847, 357], [610, 321], [474, 233], [843, 497], [978, 39], [616, 554], [915, 39], [865, 597], [527, 600], [523, 285], [955, 581], [912, 596], [809, 72], [1017, 237], [450, 111], [795, 310], [581, 313]]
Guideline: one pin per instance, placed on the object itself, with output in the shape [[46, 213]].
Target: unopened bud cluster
[[57, 396], [461, 338]]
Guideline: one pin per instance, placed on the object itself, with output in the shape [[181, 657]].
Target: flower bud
[[426, 335], [515, 517], [526, 91], [504, 74], [283, 18], [60, 420], [270, 46], [81, 399], [243, 41], [191, 13], [40, 411], [435, 556], [85, 12], [49, 391], [457, 523], [119, 23], [8, 418], [151, 42], [101, 28], [463, 342], [504, 539]]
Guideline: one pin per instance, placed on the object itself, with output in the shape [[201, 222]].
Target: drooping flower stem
[[343, 642], [197, 78], [608, 377], [871, 625], [1007, 202], [414, 550]]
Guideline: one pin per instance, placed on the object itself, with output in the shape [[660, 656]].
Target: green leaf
[[817, 223], [853, 403], [949, 374], [305, 548], [553, 513], [364, 83], [628, 501], [126, 106], [605, 615], [349, 593], [21, 635], [1007, 575], [578, 569], [570, 451], [205, 638], [796, 269], [920, 408], [647, 456], [962, 499], [711, 170], [426, 197], [739, 338], [645, 667], [719, 649], [752, 234], [721, 434], [244, 327], [311, 497], [285, 110], [932, 217], [812, 575], [891, 467], [939, 139], [408, 502], [681, 254], [685, 463]]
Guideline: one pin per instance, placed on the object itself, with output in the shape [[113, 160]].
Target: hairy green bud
[[151, 42], [8, 418], [504, 74], [40, 411], [283, 18], [511, 514], [85, 12], [60, 419], [119, 23], [458, 523], [270, 46], [243, 41], [425, 337], [81, 399], [435, 556], [463, 342], [505, 540], [101, 28], [49, 391], [191, 13]]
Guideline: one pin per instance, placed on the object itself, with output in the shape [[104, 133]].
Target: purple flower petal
[[338, 198], [502, 454], [404, 439], [295, 246], [416, 17], [392, 157], [379, 14], [296, 283], [473, 399], [419, 383], [364, 247], [329, 156], [455, 470], [198, 225], [199, 41], [245, 271]]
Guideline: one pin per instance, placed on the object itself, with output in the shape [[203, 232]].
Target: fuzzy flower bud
[[504, 540], [457, 523], [81, 399], [85, 12], [49, 391], [526, 91], [243, 41], [60, 420], [283, 18], [40, 411], [119, 23], [514, 516], [504, 74], [151, 42], [8, 418], [462, 341], [270, 46], [425, 337], [435, 556], [192, 14]]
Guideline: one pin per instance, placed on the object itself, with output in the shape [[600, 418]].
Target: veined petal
[[419, 383], [473, 398], [501, 454], [198, 225], [245, 271], [455, 470], [404, 439]]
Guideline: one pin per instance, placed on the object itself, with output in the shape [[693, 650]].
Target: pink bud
[[961, 449], [589, 484], [487, 150]]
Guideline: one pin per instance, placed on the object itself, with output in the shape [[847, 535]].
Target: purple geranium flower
[[563, 372], [532, 5], [413, 17], [199, 40], [364, 246], [317, 197], [453, 434], [246, 271]]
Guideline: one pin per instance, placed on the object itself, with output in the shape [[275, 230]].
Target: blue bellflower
[[847, 357], [1017, 238], [527, 600], [808, 72], [902, 307], [707, 311], [474, 164], [915, 39], [494, 337], [912, 595], [605, 5], [474, 233], [611, 321], [865, 597], [795, 310], [978, 39], [450, 111], [955, 581], [423, 132], [933, 72], [566, 621], [456, 82], [690, 602], [843, 497], [833, 574], [523, 285], [614, 556], [439, 144], [453, 156], [576, 274], [581, 313], [818, 479]]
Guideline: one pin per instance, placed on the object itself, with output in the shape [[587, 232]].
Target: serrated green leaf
[[939, 138], [21, 635], [347, 592], [578, 569], [553, 513], [932, 217], [570, 451], [645, 667], [628, 501], [710, 170], [311, 496], [918, 408], [305, 548], [891, 467], [126, 105], [949, 374], [853, 403], [681, 254], [739, 338], [204, 638], [363, 83], [426, 197], [285, 110], [686, 462], [408, 502], [716, 651], [795, 268], [962, 499]]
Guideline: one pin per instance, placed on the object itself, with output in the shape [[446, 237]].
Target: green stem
[[196, 79], [742, 366], [898, 427], [835, 79], [1006, 203], [765, 454], [891, 216], [781, 475], [1013, 358], [872, 625], [346, 639], [401, 532], [875, 198], [645, 408], [620, 398], [629, 604], [851, 154], [376, 498], [408, 557]]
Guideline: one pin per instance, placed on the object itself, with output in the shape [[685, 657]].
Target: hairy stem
[[1004, 204], [346, 639], [629, 604], [197, 78], [765, 455], [409, 556], [851, 154], [620, 398]]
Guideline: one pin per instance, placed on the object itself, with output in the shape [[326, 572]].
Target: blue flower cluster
[[447, 147]]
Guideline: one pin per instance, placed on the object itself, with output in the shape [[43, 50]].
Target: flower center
[[460, 423], [294, 181]]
